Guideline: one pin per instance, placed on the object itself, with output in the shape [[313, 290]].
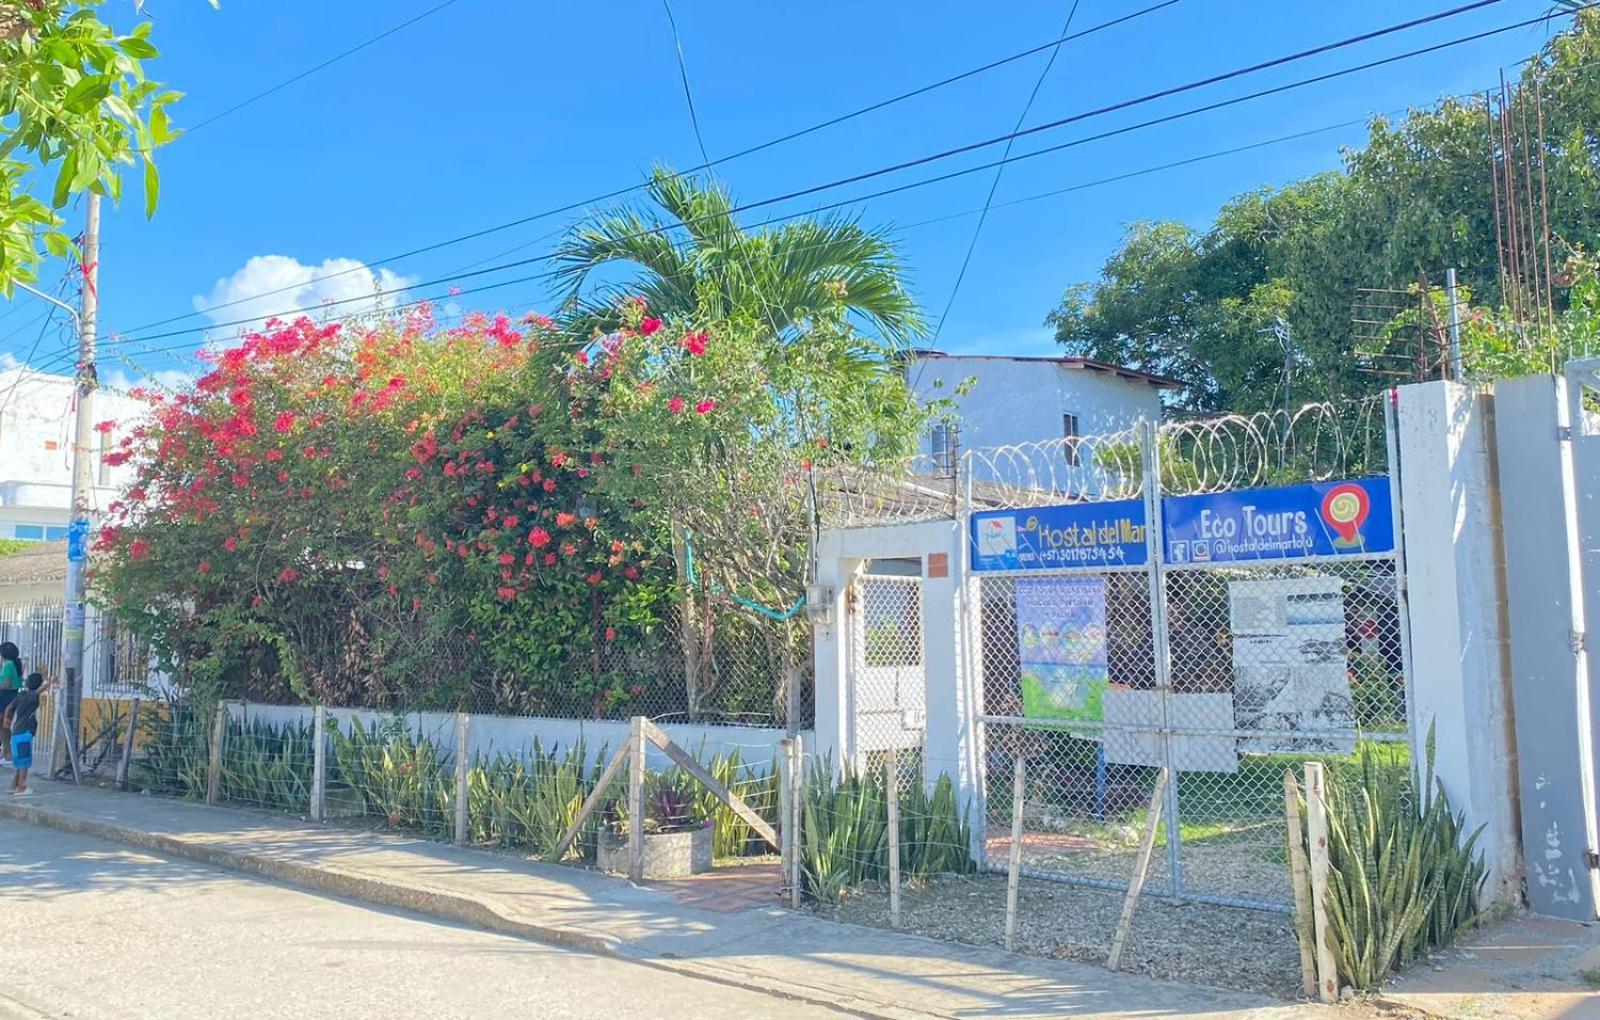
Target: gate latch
[[1563, 433], [1591, 860], [1576, 641]]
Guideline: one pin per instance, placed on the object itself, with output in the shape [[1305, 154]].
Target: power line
[[683, 73], [708, 164], [236, 107], [994, 185], [1168, 118]]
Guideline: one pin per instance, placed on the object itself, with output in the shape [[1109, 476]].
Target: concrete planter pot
[[666, 854]]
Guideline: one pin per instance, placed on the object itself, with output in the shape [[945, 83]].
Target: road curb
[[470, 911]]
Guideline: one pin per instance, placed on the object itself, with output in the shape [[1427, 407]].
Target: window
[[29, 532], [946, 448], [54, 534], [1069, 432]]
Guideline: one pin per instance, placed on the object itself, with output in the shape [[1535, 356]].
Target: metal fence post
[[219, 732], [319, 762], [463, 771], [1014, 864], [892, 793], [1155, 552]]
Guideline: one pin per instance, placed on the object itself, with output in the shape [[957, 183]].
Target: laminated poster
[[1061, 640]]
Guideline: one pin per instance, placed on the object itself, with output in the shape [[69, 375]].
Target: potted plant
[[677, 835]]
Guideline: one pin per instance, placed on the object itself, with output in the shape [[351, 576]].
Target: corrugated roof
[[37, 564], [1088, 364]]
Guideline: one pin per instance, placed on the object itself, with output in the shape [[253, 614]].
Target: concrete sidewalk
[[863, 971]]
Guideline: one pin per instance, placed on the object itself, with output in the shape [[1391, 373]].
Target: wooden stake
[[1294, 834], [636, 799], [219, 732], [797, 799], [689, 764], [1141, 867], [1014, 868], [463, 773], [127, 745], [892, 791], [786, 831], [319, 762], [607, 776], [1317, 839]]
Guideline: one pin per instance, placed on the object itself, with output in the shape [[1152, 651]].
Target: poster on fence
[[1061, 641], [1290, 668]]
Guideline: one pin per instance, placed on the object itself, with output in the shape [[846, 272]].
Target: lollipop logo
[[1344, 509]]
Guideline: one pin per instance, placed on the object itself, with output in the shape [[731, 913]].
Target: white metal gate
[[888, 687]]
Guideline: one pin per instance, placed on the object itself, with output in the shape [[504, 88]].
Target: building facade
[[1021, 401], [37, 414]]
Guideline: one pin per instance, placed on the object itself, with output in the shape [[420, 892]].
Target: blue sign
[[78, 541], [1346, 518], [1108, 534], [1061, 647]]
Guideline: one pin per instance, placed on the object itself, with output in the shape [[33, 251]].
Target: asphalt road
[[94, 929]]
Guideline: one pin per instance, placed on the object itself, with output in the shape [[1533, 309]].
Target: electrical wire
[[708, 164], [924, 182]]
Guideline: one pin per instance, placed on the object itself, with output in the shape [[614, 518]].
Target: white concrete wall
[[1456, 603], [489, 735], [36, 445], [1014, 401]]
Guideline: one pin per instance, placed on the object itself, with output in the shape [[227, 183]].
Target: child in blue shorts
[[24, 712]]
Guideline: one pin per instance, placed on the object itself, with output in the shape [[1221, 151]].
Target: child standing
[[10, 687], [24, 722]]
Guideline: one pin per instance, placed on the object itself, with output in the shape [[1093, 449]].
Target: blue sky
[[490, 110]]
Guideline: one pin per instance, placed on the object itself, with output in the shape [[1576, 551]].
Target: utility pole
[[1455, 323], [82, 481]]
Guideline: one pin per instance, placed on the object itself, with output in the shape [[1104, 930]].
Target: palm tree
[[698, 263]]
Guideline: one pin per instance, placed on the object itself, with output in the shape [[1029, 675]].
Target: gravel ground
[[1208, 945]]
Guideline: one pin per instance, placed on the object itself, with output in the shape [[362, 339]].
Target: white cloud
[[8, 361], [166, 380], [277, 285]]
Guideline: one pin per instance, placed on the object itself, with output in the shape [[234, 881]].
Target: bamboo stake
[[892, 791], [590, 803], [1014, 865], [1294, 834], [1141, 867], [1317, 833]]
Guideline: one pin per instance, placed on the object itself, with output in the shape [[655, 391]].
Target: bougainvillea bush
[[396, 514]]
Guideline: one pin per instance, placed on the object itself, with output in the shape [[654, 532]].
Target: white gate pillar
[[1456, 603]]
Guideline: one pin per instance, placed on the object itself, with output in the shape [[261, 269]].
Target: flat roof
[[1065, 361]]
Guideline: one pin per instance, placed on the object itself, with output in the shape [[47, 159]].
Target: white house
[[37, 413], [1007, 401]]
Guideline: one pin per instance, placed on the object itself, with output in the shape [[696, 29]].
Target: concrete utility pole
[[82, 480]]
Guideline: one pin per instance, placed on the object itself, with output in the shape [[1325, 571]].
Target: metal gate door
[[888, 688]]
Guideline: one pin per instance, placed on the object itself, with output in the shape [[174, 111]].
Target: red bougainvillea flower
[[565, 520], [676, 405], [549, 485], [568, 549], [383, 573], [284, 422], [288, 575], [695, 343], [648, 324], [138, 549], [549, 559], [705, 407], [204, 567], [538, 538], [631, 573], [230, 543], [274, 454], [611, 633], [506, 559], [105, 428], [594, 577], [506, 593]]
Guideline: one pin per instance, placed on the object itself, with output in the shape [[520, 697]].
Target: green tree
[[697, 262], [74, 102], [1417, 198]]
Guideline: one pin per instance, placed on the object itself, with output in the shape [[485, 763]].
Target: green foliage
[[1199, 304], [401, 778], [176, 745], [531, 802], [1404, 877], [12, 546], [846, 830], [75, 105], [732, 836], [268, 766]]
